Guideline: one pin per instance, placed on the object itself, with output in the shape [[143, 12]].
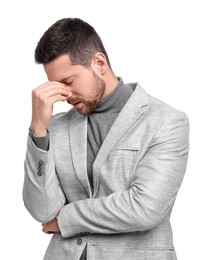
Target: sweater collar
[[116, 99]]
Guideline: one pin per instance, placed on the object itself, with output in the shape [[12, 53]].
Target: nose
[[71, 99], [70, 94]]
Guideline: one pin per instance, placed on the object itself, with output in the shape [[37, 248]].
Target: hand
[[51, 227], [43, 98]]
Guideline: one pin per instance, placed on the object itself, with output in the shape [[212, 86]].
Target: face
[[87, 88]]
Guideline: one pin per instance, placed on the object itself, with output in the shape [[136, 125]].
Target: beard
[[88, 104]]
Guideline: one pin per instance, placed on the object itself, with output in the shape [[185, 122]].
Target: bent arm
[[153, 189], [42, 194]]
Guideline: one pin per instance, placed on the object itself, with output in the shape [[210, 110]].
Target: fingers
[[43, 98], [50, 227], [50, 96], [51, 89], [46, 230], [49, 84]]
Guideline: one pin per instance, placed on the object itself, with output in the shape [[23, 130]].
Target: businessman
[[102, 177]]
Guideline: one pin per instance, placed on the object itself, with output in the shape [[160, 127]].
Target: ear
[[99, 63]]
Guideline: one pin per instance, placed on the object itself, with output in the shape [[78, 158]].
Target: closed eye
[[68, 83]]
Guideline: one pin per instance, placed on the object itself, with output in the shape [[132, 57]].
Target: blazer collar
[[78, 147], [132, 110]]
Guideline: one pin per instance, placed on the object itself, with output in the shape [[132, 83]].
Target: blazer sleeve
[[42, 194], [152, 193]]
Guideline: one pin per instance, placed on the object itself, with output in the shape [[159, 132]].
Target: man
[[102, 177]]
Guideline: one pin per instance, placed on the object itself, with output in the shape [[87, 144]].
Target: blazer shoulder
[[162, 109], [159, 113]]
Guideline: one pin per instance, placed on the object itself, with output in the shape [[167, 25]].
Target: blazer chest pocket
[[119, 166], [124, 157], [125, 154], [128, 145], [127, 148]]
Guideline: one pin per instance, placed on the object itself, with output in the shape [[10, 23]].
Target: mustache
[[74, 99]]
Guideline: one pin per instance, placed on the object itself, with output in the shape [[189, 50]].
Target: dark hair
[[70, 36]]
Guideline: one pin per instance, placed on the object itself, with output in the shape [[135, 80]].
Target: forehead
[[61, 68]]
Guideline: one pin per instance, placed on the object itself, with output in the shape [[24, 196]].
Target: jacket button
[[79, 241], [41, 165]]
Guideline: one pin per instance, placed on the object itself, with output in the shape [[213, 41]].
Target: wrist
[[38, 132]]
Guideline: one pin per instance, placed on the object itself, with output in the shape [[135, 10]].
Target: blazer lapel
[[132, 110], [78, 146]]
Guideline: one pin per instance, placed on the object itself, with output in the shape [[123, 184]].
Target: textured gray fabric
[[137, 174]]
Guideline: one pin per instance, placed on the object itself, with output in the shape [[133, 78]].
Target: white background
[[167, 46]]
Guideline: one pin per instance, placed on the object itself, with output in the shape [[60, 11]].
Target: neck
[[111, 82]]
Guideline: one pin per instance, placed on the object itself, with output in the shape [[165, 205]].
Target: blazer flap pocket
[[128, 145]]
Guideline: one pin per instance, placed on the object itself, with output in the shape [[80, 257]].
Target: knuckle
[[42, 100], [35, 93]]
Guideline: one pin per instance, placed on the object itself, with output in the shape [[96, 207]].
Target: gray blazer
[[136, 177]]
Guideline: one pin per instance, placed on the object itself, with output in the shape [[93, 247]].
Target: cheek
[[83, 88], [85, 92]]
